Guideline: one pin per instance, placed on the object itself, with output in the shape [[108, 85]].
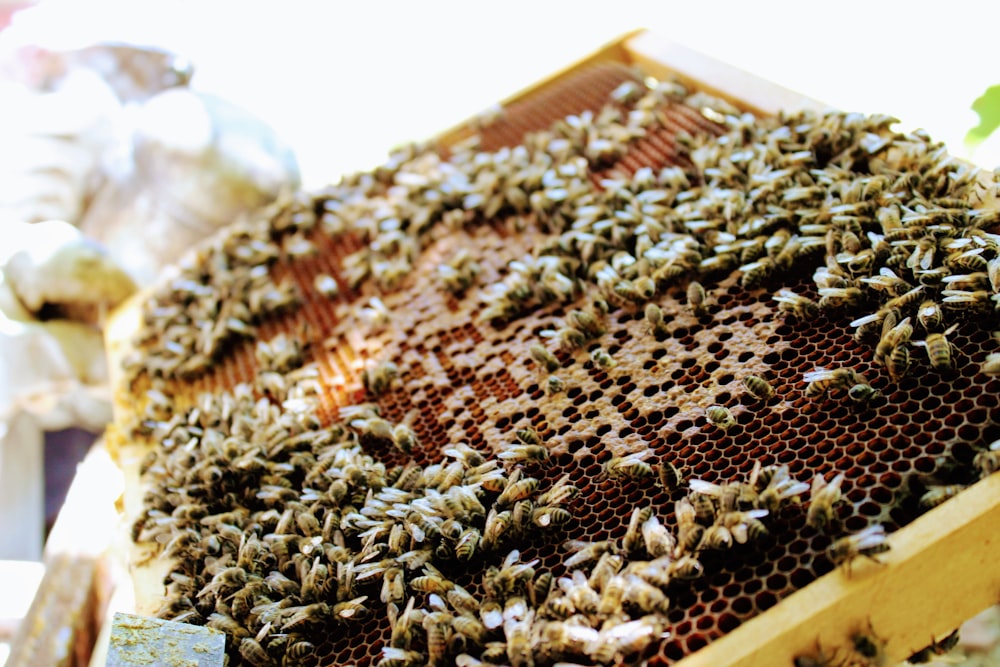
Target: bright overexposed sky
[[343, 82]]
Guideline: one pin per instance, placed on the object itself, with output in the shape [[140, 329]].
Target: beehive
[[465, 373]]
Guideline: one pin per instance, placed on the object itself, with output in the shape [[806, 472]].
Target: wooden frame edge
[[940, 571]]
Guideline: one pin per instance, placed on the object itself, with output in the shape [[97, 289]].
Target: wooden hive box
[[779, 600]]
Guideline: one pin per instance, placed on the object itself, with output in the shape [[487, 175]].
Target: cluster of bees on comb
[[301, 513]]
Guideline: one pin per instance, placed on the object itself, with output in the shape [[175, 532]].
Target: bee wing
[[818, 374], [870, 537], [707, 488], [867, 319]]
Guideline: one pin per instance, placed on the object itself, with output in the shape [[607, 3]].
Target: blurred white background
[[344, 82]]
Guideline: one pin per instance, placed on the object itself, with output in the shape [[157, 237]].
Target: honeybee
[[929, 315], [671, 477], [758, 387], [716, 538], [824, 495], [799, 306], [528, 436], [862, 393], [544, 358], [377, 379], [559, 493], [935, 648], [870, 646], [696, 298], [584, 552], [991, 365], [940, 351], [523, 453], [516, 489], [643, 595], [755, 273], [689, 531], [602, 358], [780, 488], [745, 525], [254, 653], [686, 567], [400, 657], [543, 517], [630, 466], [658, 539], [822, 380], [720, 417], [937, 494], [555, 384], [898, 363], [868, 543], [654, 316], [633, 542], [299, 651], [839, 297], [987, 461]]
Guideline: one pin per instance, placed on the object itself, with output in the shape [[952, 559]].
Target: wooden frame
[[940, 570]]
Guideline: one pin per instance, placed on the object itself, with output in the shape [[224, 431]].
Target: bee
[[555, 384], [584, 552], [633, 541], [404, 437], [898, 363], [935, 648], [870, 646], [686, 567], [393, 656], [616, 642], [704, 507], [720, 417], [839, 297], [654, 317], [631, 466], [799, 306], [987, 461], [823, 380], [868, 543], [689, 531], [523, 453], [377, 379], [991, 364], [468, 541], [326, 286], [940, 351], [497, 525], [559, 493], [696, 298], [254, 653], [755, 273], [602, 358], [671, 477], [299, 651], [470, 626], [862, 393], [543, 517], [780, 488], [516, 489], [717, 537], [544, 358], [929, 316], [644, 595], [746, 525], [438, 631], [758, 387], [824, 495], [567, 338], [937, 494]]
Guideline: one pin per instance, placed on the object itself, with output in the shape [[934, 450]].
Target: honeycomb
[[411, 346]]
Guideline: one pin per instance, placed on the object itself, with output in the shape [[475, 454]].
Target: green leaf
[[987, 106]]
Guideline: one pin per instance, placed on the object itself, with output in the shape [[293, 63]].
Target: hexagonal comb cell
[[484, 409]]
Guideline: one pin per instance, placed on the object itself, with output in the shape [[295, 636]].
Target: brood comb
[[600, 378]]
